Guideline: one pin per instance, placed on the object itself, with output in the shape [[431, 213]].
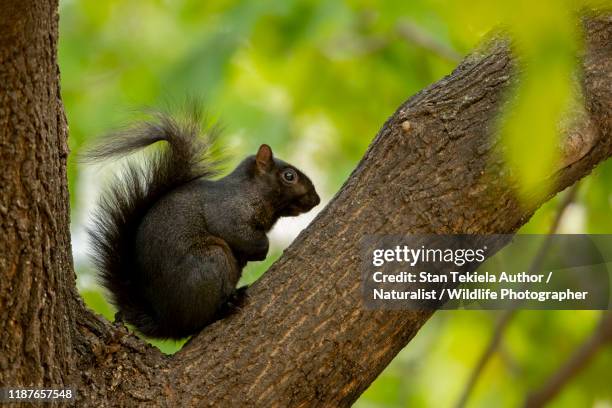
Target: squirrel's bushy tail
[[122, 206]]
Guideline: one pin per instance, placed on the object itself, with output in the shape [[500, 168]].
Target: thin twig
[[507, 315], [417, 36], [356, 45], [601, 336]]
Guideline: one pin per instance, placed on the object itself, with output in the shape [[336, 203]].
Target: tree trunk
[[37, 285], [302, 337]]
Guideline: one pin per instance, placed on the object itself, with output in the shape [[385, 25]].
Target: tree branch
[[302, 337], [438, 173], [602, 336], [413, 34], [507, 315]]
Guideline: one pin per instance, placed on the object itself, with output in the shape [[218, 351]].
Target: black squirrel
[[169, 240]]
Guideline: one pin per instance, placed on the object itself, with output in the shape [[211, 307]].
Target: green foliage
[[316, 79]]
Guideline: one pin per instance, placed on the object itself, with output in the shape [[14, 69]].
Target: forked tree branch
[[303, 337]]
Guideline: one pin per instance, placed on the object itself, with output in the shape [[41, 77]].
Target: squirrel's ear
[[264, 158]]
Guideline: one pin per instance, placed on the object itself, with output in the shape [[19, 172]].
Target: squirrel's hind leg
[[235, 302], [208, 274]]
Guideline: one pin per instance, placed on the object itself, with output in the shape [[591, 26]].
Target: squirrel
[[170, 239]]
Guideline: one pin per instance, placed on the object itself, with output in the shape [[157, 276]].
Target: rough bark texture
[[37, 283], [302, 338]]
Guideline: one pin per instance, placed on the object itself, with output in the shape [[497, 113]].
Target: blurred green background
[[316, 80]]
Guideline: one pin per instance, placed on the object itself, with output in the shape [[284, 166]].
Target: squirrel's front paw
[[253, 250], [260, 251]]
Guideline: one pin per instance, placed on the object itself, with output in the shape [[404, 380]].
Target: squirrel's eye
[[290, 176]]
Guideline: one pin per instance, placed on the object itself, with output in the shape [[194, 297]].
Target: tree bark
[[37, 285], [302, 337]]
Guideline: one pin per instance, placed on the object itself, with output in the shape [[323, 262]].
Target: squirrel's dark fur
[[170, 242]]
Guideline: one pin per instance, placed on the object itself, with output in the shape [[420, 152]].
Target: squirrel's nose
[[315, 199]]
